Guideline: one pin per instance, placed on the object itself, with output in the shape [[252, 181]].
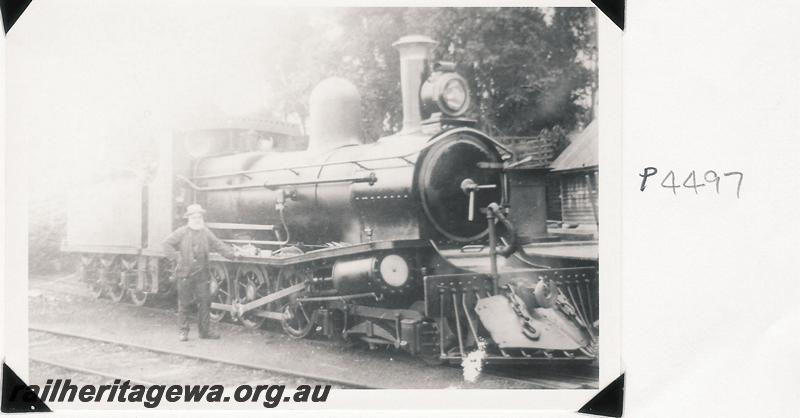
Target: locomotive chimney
[[414, 50]]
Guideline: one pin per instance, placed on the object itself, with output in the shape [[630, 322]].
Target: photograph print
[[332, 198]]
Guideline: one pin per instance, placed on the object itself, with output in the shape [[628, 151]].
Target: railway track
[[578, 379], [111, 356], [150, 365], [83, 374]]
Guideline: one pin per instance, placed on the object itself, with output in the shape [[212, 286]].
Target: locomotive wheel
[[97, 289], [220, 289], [117, 286], [251, 284], [116, 291], [90, 274], [129, 266], [297, 320], [138, 297], [167, 287]]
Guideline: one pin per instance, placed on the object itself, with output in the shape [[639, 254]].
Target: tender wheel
[[89, 272], [117, 284], [297, 320], [167, 285], [138, 297], [220, 289], [251, 284]]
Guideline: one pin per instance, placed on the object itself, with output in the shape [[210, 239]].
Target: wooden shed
[[576, 170]]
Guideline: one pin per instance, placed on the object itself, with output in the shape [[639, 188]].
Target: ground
[[61, 303]]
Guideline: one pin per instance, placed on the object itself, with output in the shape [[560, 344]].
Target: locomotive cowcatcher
[[426, 240]]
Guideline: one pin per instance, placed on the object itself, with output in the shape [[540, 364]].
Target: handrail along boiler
[[415, 241]]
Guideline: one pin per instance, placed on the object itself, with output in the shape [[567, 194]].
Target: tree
[[529, 68]]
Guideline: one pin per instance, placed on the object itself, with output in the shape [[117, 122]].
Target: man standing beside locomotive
[[189, 246]]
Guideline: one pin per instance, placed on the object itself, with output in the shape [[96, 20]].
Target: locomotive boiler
[[416, 240]]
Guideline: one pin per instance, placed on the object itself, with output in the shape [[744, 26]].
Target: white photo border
[[14, 332]]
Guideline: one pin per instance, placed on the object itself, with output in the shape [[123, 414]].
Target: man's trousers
[[195, 287]]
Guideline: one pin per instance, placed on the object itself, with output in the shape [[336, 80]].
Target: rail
[[88, 371], [213, 359]]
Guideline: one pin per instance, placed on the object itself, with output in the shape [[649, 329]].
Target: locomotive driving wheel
[[297, 320], [220, 289], [251, 284]]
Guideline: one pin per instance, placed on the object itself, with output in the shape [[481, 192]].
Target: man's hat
[[193, 209]]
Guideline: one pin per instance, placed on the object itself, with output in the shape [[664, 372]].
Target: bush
[[47, 223]]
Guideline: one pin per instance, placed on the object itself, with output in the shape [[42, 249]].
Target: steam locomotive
[[424, 240]]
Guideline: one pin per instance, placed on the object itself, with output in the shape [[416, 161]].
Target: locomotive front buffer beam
[[525, 321]]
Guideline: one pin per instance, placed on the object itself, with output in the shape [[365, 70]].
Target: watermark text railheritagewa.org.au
[[270, 396]]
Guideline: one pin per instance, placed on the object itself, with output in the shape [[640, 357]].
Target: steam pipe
[[371, 179], [512, 244], [494, 212]]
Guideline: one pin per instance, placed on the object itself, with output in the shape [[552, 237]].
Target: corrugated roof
[[581, 153]]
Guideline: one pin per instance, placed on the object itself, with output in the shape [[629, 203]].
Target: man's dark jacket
[[178, 247]]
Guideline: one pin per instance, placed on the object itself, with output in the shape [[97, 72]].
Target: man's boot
[[184, 336], [209, 335]]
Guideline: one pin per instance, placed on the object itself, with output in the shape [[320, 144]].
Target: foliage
[[529, 68], [46, 230]]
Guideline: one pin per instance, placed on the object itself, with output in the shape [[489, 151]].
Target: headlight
[[394, 270], [454, 95], [446, 92]]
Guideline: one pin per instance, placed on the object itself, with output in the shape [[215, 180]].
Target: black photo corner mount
[[614, 9], [609, 401], [12, 10], [17, 396]]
